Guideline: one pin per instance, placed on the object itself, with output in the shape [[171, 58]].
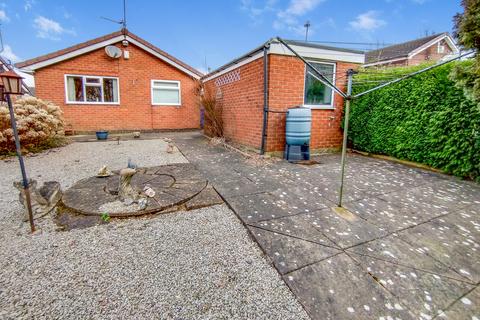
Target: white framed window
[[166, 93], [80, 89], [440, 48], [316, 94]]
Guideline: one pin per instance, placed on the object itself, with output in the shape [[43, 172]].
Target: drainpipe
[[265, 98]]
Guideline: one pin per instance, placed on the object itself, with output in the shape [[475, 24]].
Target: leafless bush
[[37, 122], [213, 111]]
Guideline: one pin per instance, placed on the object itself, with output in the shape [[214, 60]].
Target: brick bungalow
[[144, 88], [239, 87], [415, 52]]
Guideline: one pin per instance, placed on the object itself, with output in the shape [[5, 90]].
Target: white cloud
[[49, 29], [367, 21], [289, 18], [3, 16], [8, 54], [300, 7], [28, 4], [256, 8]]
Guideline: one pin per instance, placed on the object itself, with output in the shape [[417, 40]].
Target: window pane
[[165, 84], [166, 96], [110, 90], [75, 88], [92, 80], [93, 93], [316, 93]]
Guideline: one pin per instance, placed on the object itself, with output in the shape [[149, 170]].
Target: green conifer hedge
[[426, 119]]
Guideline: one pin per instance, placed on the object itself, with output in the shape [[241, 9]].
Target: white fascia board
[[235, 66], [318, 53], [72, 54], [384, 62], [102, 44]]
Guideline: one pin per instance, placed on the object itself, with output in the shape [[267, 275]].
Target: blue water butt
[[298, 127]]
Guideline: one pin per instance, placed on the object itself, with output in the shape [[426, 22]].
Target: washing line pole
[[350, 73], [349, 98]]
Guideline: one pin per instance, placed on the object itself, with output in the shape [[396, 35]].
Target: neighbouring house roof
[[305, 49], [407, 49], [5, 66], [94, 44]]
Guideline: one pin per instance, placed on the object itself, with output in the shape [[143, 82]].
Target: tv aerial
[[122, 22]]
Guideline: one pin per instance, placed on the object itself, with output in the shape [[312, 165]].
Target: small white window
[[166, 93], [317, 95], [441, 48], [91, 90]]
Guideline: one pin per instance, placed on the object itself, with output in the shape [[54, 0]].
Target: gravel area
[[198, 264]]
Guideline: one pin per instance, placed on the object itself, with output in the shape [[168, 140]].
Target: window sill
[[167, 105], [314, 107], [113, 104]]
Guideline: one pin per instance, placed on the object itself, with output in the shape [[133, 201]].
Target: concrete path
[[410, 250]]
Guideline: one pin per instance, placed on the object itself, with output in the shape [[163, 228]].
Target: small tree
[[467, 32]]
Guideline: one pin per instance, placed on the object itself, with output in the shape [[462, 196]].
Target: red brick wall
[[286, 90], [243, 104], [135, 111]]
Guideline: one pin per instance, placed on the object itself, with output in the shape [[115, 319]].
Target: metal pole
[[265, 99], [306, 25], [28, 203], [350, 73]]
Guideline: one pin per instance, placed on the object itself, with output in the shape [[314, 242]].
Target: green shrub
[[426, 119]]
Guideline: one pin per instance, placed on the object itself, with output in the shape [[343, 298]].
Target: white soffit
[[318, 53]]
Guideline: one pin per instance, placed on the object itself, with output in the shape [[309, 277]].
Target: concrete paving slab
[[437, 239], [466, 307], [397, 251], [425, 200], [342, 232], [261, 206], [288, 253], [435, 217], [385, 215], [299, 226], [426, 294], [337, 288], [239, 186], [466, 222]]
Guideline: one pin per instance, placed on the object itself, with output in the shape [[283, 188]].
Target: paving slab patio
[[410, 249]]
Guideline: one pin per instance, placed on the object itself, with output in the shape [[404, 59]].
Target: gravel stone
[[199, 264]]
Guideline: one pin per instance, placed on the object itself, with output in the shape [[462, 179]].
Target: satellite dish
[[113, 52]]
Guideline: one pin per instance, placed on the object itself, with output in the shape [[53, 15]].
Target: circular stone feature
[[173, 185]]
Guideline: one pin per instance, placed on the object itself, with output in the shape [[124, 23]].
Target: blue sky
[[217, 30]]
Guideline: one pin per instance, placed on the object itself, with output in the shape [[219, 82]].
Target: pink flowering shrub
[[37, 122]]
